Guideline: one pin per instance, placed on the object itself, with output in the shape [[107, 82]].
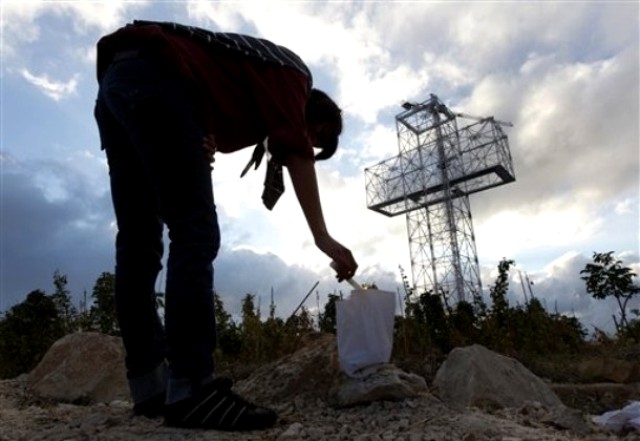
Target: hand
[[344, 263], [210, 147]]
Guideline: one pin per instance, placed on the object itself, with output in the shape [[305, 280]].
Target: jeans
[[152, 133]]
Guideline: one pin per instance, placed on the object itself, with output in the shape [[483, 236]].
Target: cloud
[[560, 288], [575, 151], [240, 272], [104, 16], [518, 67], [40, 234], [23, 22], [70, 227], [17, 21], [563, 131], [56, 90], [350, 49], [553, 224], [55, 215], [565, 74], [370, 144], [624, 207]]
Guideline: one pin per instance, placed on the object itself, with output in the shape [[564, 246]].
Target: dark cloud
[[40, 234], [69, 228], [243, 272], [561, 74], [72, 232]]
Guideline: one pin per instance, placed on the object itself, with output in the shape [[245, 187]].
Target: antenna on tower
[[529, 285], [272, 306], [438, 166], [524, 291]]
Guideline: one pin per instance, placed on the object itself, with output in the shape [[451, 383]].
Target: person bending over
[[169, 97]]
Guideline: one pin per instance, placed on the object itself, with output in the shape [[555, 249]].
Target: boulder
[[85, 367], [384, 383], [476, 376]]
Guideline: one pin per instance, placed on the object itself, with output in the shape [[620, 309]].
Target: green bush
[[27, 331]]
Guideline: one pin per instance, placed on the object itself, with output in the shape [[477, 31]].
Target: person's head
[[324, 123]]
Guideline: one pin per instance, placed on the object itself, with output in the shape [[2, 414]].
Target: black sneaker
[[216, 407], [151, 408]]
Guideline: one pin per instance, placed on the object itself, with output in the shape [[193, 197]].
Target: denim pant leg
[[139, 250], [166, 134]]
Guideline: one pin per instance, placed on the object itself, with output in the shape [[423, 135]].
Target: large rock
[[85, 367], [385, 383], [476, 376]]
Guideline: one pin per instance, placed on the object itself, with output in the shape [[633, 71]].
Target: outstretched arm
[[303, 176]]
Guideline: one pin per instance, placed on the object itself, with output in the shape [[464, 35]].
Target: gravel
[[419, 419]]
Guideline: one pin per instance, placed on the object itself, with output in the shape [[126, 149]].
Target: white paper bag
[[365, 329]]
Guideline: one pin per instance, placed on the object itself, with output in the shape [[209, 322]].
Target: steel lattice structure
[[438, 166]]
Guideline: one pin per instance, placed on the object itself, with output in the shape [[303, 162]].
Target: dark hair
[[322, 110]]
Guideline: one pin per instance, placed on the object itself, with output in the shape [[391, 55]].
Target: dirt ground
[[22, 418]]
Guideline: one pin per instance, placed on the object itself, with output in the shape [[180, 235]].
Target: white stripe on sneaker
[[235, 420], [225, 414], [202, 403], [213, 410]]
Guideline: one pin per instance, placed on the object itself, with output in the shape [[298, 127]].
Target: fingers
[[345, 265], [348, 268], [346, 274], [343, 262]]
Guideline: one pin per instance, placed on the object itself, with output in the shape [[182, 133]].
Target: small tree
[[27, 331], [607, 277], [251, 329], [104, 310], [498, 292], [463, 324], [62, 299], [223, 318], [327, 320], [229, 341], [297, 328], [408, 289], [495, 327]]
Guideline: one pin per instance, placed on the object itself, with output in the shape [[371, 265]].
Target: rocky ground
[[301, 388], [418, 419]]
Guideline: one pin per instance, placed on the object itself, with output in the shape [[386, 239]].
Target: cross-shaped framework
[[430, 180]]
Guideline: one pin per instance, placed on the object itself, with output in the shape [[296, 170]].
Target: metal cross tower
[[438, 167]]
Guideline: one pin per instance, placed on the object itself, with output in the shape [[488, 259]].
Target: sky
[[565, 74]]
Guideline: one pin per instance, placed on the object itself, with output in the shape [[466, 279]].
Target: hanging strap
[[273, 181]]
